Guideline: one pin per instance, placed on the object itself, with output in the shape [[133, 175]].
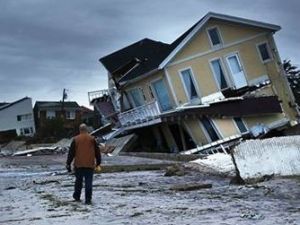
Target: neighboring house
[[88, 117], [17, 116], [218, 81], [68, 111]]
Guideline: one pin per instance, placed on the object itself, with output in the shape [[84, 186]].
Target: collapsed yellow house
[[220, 81]]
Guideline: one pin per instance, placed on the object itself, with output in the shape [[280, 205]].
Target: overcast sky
[[48, 45]]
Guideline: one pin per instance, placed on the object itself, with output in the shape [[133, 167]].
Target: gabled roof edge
[[13, 103], [216, 16]]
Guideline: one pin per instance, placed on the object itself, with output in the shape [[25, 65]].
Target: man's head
[[83, 128]]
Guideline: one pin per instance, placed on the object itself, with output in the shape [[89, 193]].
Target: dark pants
[[87, 174]]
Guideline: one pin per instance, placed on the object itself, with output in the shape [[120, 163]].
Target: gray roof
[[55, 104]]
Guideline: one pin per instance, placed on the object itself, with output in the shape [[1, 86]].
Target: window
[[24, 117], [26, 131], [70, 115], [236, 70], [240, 124], [137, 97], [219, 74], [214, 37], [264, 52], [162, 94], [50, 114], [189, 84], [210, 129]]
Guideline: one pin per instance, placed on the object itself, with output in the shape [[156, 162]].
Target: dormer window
[[214, 37]]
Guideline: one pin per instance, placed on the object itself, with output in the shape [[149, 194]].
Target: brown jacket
[[85, 152]]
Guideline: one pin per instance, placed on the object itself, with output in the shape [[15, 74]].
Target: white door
[[236, 70]]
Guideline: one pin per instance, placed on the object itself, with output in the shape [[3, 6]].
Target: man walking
[[84, 150]]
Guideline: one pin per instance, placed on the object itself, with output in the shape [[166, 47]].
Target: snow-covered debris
[[219, 162], [278, 156]]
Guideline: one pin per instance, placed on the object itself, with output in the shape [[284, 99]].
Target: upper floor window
[[264, 52], [50, 114], [214, 36], [70, 115], [189, 84], [24, 117], [219, 74]]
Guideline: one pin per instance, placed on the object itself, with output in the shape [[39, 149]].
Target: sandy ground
[[36, 190]]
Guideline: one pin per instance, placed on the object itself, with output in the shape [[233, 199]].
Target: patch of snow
[[219, 162]]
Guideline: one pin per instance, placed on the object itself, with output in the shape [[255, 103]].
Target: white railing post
[[140, 114]]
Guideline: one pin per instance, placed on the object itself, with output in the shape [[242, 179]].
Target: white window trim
[[237, 128], [241, 64], [141, 93], [50, 117], [268, 49], [208, 138], [169, 81], [155, 95], [194, 82], [229, 82], [218, 46]]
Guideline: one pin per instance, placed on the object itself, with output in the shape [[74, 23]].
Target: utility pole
[[63, 103]]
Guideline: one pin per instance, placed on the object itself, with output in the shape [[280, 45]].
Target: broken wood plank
[[190, 187]]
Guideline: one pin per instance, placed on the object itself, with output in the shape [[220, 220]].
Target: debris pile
[[219, 163], [19, 148]]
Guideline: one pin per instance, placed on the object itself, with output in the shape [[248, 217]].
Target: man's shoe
[[88, 202]]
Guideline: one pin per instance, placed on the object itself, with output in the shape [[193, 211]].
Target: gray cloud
[[48, 45]]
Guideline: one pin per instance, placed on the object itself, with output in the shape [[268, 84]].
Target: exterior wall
[[8, 117], [230, 33], [204, 76], [145, 85], [280, 82], [226, 127], [196, 131]]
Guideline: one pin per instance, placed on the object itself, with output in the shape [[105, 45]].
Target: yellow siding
[[197, 132], [230, 32], [226, 127], [204, 77]]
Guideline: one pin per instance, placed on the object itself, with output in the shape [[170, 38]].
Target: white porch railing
[[97, 94], [140, 115]]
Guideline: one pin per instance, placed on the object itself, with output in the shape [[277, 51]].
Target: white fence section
[[278, 156], [140, 115]]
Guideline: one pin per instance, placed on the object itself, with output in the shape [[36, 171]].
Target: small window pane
[[214, 36], [240, 124], [210, 129], [220, 76], [263, 49], [189, 84]]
